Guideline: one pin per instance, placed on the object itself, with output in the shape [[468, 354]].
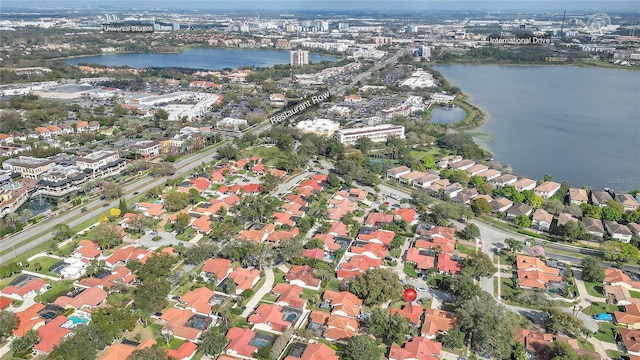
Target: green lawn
[[308, 294], [45, 263], [410, 271], [634, 294], [594, 289], [278, 276], [605, 332], [418, 155], [598, 308], [175, 343], [613, 354], [269, 297], [186, 235], [434, 280], [585, 345], [58, 288], [468, 250], [506, 291]]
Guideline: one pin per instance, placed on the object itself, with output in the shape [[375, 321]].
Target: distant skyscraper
[[299, 57], [424, 51]]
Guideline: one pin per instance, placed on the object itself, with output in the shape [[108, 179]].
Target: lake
[[447, 115], [579, 124], [210, 59]]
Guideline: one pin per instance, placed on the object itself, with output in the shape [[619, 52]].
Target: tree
[[333, 180], [24, 344], [182, 221], [107, 236], [573, 230], [162, 169], [513, 244], [561, 322], [150, 353], [522, 220], [488, 326], [229, 152], [75, 346], [160, 114], [269, 182], [480, 264], [115, 212], [376, 286], [112, 190], [562, 350], [480, 206], [462, 287], [122, 205], [592, 211], [453, 339], [176, 201], [61, 232], [25, 214], [553, 206], [531, 199], [611, 212], [290, 249], [361, 347], [390, 328], [592, 270], [428, 162], [8, 322], [470, 232], [364, 144], [151, 295], [12, 219]]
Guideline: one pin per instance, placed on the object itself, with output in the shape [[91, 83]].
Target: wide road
[[41, 232]]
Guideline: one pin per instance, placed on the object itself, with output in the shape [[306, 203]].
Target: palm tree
[[12, 219], [26, 214]]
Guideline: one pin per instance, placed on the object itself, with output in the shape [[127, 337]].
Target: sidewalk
[[264, 290]]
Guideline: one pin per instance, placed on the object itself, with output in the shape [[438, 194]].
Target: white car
[[421, 289]]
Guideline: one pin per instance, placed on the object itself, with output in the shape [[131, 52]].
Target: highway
[[16, 245]]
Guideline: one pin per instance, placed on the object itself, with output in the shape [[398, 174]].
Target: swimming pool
[[75, 320]]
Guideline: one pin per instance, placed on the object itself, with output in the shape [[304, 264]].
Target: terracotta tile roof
[[175, 319], [372, 250], [338, 229], [36, 284], [535, 341], [126, 254], [316, 253], [437, 321], [202, 224], [198, 300], [377, 219], [380, 236], [448, 265], [620, 294], [413, 313], [529, 263], [244, 278], [270, 315], [356, 265], [231, 199], [630, 316], [617, 276], [423, 262], [319, 317], [631, 339], [186, 350], [88, 249], [407, 214], [289, 295], [28, 319], [220, 267], [536, 279], [328, 241], [5, 302], [239, 344], [201, 183], [419, 348], [304, 274], [317, 351], [283, 235], [51, 334], [437, 243], [343, 302], [90, 298], [121, 275], [340, 328]]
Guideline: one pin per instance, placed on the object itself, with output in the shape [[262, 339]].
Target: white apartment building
[[298, 57], [97, 159], [378, 133]]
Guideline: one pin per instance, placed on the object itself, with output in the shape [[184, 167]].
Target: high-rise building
[[299, 58]]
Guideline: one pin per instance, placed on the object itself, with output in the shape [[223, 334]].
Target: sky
[[335, 5]]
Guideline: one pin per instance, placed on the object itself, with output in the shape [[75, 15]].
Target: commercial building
[[378, 133], [321, 127], [97, 159], [299, 58], [28, 167]]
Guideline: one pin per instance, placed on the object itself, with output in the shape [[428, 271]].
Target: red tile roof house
[[186, 351], [356, 265], [240, 347], [121, 275], [175, 322], [422, 262], [218, 268], [124, 255], [303, 276], [407, 214], [198, 300], [379, 236], [289, 295], [371, 250], [437, 243], [5, 302], [120, 351], [88, 298], [378, 219], [413, 313], [328, 241], [437, 322], [269, 317], [29, 319], [343, 303], [419, 348], [617, 277], [446, 265], [317, 351], [87, 249], [336, 327], [534, 273], [245, 279], [51, 334], [316, 253], [629, 318], [30, 289], [631, 341]]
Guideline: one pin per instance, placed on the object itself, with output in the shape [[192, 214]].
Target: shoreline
[[589, 63]]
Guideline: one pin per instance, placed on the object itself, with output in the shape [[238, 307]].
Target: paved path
[[264, 290]]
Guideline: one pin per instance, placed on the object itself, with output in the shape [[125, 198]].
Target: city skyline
[[336, 6]]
